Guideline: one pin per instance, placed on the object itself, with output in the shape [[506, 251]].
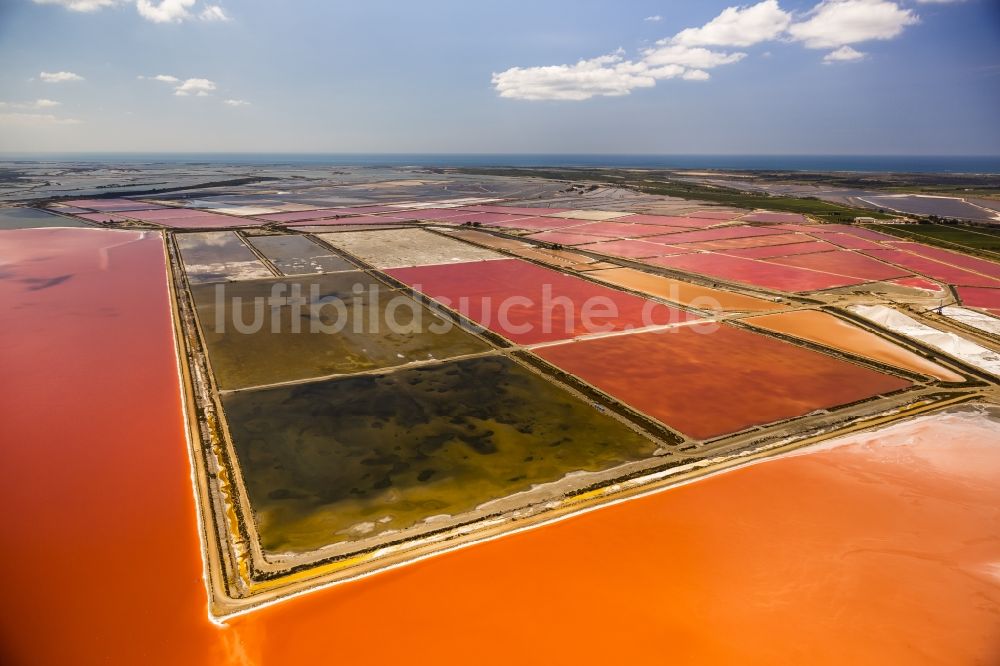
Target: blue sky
[[586, 76]]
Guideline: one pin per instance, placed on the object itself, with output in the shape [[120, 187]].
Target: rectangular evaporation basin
[[934, 269], [685, 293], [825, 329], [756, 273], [844, 262], [634, 249], [722, 233], [377, 458], [488, 240], [666, 221], [282, 330], [592, 215], [749, 242], [297, 255], [780, 250], [979, 297], [217, 256], [528, 304], [707, 382], [406, 247], [984, 266], [616, 230], [536, 223], [774, 217]]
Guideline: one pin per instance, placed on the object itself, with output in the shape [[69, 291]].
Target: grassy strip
[[981, 241], [641, 182]]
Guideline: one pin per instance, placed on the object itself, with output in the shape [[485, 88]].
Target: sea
[[968, 164]]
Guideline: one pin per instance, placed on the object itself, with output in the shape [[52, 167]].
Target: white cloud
[[653, 19], [739, 26], [187, 87], [697, 58], [197, 87], [236, 102], [213, 13], [164, 11], [608, 75], [696, 75], [37, 104], [59, 77], [81, 5], [157, 11], [34, 120], [831, 24], [843, 54], [834, 23]]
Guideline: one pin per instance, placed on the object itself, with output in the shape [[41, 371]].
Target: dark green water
[[254, 340], [336, 460]]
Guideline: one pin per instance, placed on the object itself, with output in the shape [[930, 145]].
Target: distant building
[[864, 220]]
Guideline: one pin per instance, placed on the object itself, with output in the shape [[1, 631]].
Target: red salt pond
[[854, 231], [635, 249], [756, 273], [780, 250], [103, 217], [671, 251], [508, 296], [717, 234], [355, 220], [667, 221], [934, 269], [536, 223], [679, 376], [978, 297], [187, 218], [167, 214], [565, 238], [515, 210], [882, 549], [100, 556], [983, 266], [750, 241], [847, 241], [844, 262], [208, 221], [617, 229]]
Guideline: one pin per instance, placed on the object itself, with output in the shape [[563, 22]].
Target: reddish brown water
[[706, 384], [881, 551]]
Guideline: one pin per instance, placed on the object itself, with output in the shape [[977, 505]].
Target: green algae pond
[[262, 332], [343, 459]]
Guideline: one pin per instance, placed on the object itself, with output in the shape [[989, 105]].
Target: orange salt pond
[[100, 560], [706, 381], [685, 293], [825, 329], [879, 548]]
